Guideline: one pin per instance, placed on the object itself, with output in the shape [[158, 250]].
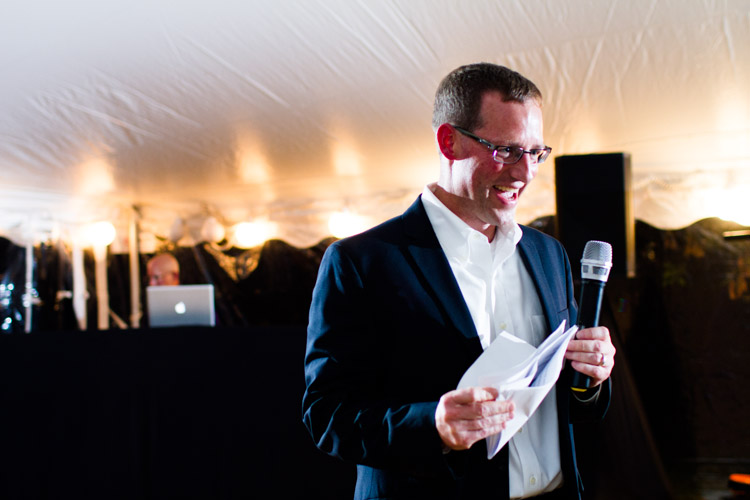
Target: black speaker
[[593, 198]]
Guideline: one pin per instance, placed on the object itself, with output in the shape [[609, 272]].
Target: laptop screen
[[180, 305]]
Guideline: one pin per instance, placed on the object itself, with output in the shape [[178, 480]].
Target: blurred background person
[[163, 270]]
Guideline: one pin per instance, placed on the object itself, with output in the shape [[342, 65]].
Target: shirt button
[[532, 480]]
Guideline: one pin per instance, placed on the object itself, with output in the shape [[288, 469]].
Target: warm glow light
[[346, 161], [251, 234], [100, 234], [212, 230], [95, 177], [253, 169], [252, 165], [344, 149], [343, 224], [177, 230], [732, 205]]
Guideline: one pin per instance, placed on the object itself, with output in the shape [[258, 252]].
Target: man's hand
[[465, 416], [591, 352]]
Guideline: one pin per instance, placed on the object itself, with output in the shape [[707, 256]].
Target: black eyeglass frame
[[538, 155]]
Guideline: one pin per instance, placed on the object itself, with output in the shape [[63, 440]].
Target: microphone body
[[595, 266]]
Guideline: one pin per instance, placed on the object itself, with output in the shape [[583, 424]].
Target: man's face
[[163, 278], [163, 272], [487, 191]]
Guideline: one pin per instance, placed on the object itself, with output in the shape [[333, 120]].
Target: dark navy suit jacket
[[389, 334]]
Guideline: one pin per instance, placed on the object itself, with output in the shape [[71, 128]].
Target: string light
[[343, 224], [731, 205], [252, 234], [212, 230], [100, 234]]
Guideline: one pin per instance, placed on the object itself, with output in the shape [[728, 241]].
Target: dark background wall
[[189, 411]]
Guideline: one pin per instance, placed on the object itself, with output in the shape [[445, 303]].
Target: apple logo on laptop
[[180, 308]]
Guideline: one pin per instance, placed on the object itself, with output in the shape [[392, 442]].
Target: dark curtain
[[681, 327]]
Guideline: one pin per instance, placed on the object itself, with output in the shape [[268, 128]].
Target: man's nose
[[524, 169]]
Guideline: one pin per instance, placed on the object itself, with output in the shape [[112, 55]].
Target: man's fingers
[[465, 416], [589, 345], [478, 414], [474, 403], [594, 333], [462, 433], [470, 395]]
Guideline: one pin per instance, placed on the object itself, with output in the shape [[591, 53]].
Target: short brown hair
[[459, 96]]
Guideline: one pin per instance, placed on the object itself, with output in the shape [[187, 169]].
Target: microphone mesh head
[[598, 250]]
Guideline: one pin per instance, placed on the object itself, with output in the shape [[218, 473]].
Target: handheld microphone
[[595, 266]]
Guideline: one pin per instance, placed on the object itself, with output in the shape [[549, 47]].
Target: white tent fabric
[[293, 109]]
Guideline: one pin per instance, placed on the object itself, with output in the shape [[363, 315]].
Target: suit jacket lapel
[[533, 262], [430, 259]]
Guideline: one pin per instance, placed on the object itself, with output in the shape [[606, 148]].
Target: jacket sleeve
[[345, 408]]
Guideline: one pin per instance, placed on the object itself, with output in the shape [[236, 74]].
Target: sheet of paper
[[520, 372]]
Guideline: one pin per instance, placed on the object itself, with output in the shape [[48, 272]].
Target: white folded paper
[[520, 372]]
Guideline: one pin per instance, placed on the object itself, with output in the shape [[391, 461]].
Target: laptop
[[180, 305]]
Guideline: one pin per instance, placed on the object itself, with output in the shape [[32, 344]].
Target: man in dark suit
[[400, 312]]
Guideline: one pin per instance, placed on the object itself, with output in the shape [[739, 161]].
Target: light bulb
[[100, 234], [251, 234], [343, 224]]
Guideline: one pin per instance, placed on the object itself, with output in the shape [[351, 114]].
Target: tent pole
[[135, 269], [102, 287], [27, 297], [79, 286]]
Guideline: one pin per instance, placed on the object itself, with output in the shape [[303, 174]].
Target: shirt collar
[[454, 234]]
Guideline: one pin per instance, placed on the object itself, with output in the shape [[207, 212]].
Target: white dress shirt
[[501, 296]]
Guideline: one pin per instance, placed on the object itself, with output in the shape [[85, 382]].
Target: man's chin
[[506, 220]]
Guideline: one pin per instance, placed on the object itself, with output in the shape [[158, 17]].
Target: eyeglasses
[[509, 154]]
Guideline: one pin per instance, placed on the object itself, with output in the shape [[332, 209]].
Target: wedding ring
[[603, 361]]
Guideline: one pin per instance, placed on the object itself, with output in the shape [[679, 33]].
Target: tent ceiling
[[294, 108]]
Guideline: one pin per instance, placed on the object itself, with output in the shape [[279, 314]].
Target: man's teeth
[[506, 189]]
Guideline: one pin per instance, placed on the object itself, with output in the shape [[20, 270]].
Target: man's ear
[[446, 139]]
